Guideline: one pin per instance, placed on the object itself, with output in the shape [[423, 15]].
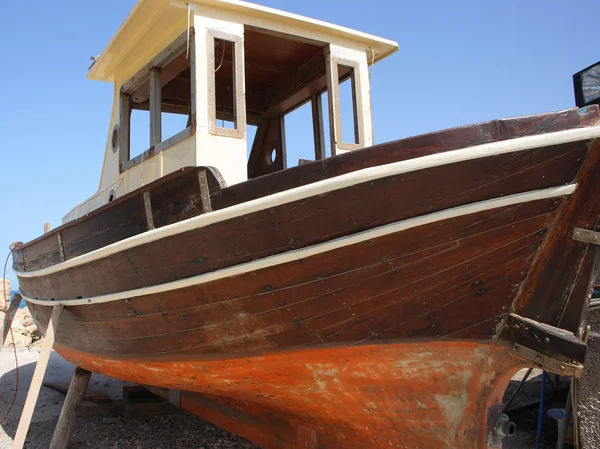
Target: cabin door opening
[[285, 79]]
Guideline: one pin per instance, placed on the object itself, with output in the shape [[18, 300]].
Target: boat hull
[[387, 302]]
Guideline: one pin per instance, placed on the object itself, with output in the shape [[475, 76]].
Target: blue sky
[[459, 62]]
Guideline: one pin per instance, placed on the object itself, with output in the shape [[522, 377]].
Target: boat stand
[[36, 381], [75, 394]]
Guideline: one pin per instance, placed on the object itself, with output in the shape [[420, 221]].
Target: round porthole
[[112, 196], [272, 156], [114, 140]]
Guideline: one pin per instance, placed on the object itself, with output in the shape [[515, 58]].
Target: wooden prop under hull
[[407, 395]]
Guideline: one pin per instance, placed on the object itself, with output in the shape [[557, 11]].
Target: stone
[[20, 340], [4, 293]]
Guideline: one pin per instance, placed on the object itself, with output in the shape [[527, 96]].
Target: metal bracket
[[586, 236], [547, 363]]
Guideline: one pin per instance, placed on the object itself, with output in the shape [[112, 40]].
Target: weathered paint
[[407, 395]]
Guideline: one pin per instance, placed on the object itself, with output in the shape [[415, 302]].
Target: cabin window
[[297, 130], [157, 104], [114, 138], [347, 92], [251, 131], [225, 81], [344, 90]]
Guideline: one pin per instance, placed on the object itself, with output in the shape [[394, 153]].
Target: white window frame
[[239, 108]]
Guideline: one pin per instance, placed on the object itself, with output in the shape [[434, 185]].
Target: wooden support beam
[[308, 79], [124, 120], [8, 318], [68, 413], [318, 133], [38, 377], [155, 115], [148, 209], [204, 192], [61, 248]]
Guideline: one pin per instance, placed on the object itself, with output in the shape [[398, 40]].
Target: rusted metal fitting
[[504, 427]]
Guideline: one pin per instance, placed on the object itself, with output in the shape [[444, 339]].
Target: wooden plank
[[400, 150], [278, 96], [8, 318], [38, 377], [548, 340], [68, 413], [204, 191], [91, 394], [429, 282], [546, 297], [335, 214], [61, 249], [422, 145]]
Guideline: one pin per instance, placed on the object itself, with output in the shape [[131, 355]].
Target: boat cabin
[[213, 82]]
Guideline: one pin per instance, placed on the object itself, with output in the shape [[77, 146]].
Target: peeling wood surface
[[417, 395], [545, 339]]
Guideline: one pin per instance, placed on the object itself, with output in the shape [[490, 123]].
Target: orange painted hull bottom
[[408, 395]]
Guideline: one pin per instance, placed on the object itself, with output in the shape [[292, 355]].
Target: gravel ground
[[99, 426]]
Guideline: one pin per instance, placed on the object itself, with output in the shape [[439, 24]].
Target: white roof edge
[[249, 8]]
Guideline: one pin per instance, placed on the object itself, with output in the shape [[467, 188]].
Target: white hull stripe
[[324, 186], [331, 245]]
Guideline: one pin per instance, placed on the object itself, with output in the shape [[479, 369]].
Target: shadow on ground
[[99, 426]]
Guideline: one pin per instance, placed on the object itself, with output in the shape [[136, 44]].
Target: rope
[[222, 56], [372, 62], [11, 336]]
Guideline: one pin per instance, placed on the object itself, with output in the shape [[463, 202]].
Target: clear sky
[[459, 62]]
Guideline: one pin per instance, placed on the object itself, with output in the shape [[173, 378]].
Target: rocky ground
[[24, 331]]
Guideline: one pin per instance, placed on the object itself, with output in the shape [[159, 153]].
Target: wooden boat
[[383, 296]]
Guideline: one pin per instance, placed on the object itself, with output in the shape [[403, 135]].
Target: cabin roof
[[148, 14]]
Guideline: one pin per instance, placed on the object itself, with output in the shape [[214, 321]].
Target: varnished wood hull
[[380, 312]]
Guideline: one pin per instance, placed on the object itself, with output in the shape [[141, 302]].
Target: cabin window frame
[[239, 109], [151, 72], [335, 117]]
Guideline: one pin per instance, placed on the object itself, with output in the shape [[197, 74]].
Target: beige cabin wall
[[110, 167], [183, 154]]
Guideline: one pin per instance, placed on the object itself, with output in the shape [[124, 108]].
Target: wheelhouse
[[230, 85]]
